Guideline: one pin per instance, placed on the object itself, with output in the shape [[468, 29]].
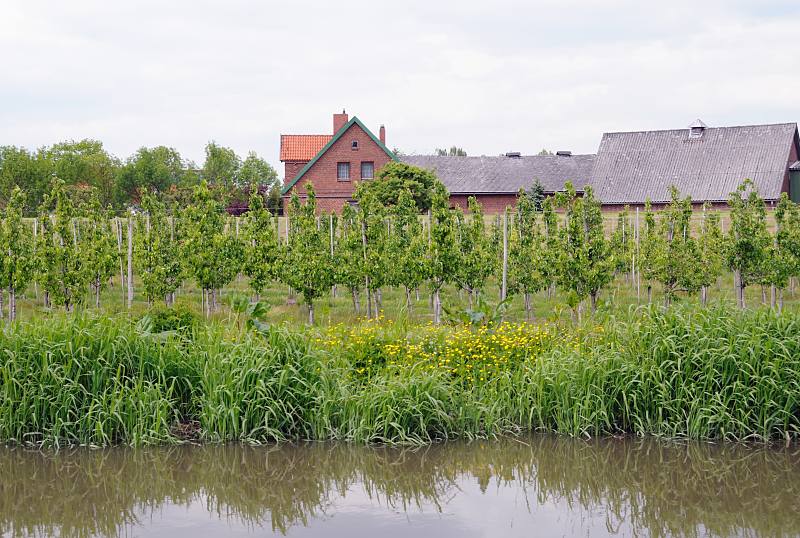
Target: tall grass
[[680, 373]]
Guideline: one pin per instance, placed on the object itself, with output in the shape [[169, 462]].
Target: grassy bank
[[704, 374]]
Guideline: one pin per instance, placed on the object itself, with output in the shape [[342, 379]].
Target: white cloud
[[491, 77]]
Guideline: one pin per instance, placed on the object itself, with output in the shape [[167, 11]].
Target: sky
[[490, 76]]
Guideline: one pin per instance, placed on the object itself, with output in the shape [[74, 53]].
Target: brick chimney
[[382, 135], [339, 121]]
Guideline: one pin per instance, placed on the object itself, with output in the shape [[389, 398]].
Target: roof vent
[[564, 153], [514, 154], [696, 129]]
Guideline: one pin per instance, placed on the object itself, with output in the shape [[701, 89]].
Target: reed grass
[[680, 373]]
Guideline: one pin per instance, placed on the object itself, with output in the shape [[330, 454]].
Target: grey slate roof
[[633, 166], [501, 175]]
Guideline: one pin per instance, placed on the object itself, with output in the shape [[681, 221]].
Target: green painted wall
[[794, 186]]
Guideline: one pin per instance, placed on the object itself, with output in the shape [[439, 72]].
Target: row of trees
[[87, 169], [542, 245]]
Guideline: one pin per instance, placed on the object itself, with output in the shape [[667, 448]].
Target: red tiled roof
[[302, 147]]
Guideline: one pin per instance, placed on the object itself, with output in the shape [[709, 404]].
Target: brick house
[[333, 163]]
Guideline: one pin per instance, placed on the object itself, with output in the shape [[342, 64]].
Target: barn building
[[496, 181], [706, 163]]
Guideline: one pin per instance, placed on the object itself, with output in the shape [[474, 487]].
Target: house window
[[354, 144], [343, 171], [367, 170]]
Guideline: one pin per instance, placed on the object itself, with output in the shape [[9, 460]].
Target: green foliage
[[179, 318], [257, 171], [748, 239], [711, 246], [307, 267], [99, 248], [453, 151], [396, 177], [211, 256], [85, 162], [28, 171], [475, 265], [481, 314], [157, 251], [586, 262], [222, 166], [261, 249], [679, 373], [408, 246], [148, 170], [527, 251], [60, 260], [676, 258], [16, 249]]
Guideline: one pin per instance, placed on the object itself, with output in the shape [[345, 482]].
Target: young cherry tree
[[677, 262], [649, 250], [443, 253], [60, 258], [587, 262], [408, 245], [375, 229], [748, 239], [157, 252], [308, 264], [783, 256], [16, 252], [550, 246], [527, 252], [262, 251], [622, 244], [99, 247], [476, 255], [711, 245], [212, 257], [348, 255]]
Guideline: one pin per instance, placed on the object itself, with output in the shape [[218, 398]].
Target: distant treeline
[[85, 166]]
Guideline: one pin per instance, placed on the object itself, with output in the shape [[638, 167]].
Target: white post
[[130, 260]]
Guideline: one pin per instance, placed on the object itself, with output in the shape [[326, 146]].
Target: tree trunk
[[704, 295], [737, 279], [437, 305], [97, 293], [409, 305], [2, 295], [311, 313], [593, 299], [12, 297], [772, 296], [527, 306], [378, 294], [763, 294], [780, 301], [649, 294], [356, 302], [667, 297]]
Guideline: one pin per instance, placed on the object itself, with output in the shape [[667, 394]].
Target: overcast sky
[[490, 76]]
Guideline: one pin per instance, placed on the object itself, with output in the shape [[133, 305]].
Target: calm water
[[537, 486]]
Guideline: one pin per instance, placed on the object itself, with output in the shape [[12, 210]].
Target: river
[[538, 485]]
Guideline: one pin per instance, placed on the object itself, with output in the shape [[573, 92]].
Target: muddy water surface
[[534, 486]]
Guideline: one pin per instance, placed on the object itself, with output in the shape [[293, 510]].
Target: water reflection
[[540, 485]]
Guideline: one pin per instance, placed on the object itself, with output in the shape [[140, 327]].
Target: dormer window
[[696, 129], [354, 144]]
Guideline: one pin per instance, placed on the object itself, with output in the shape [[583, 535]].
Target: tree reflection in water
[[652, 487]]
